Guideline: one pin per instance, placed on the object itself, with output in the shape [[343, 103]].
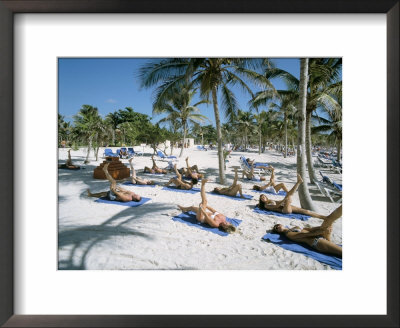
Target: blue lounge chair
[[164, 157], [328, 188], [108, 152]]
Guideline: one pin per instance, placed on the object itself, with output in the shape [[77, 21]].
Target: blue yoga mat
[[129, 204], [296, 216], [174, 188], [237, 197], [279, 193], [285, 243], [189, 218], [127, 183]]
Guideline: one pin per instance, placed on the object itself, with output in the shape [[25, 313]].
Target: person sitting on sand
[[115, 192], [136, 180], [206, 214], [272, 186], [318, 238], [68, 164], [178, 182], [232, 190], [285, 205], [154, 169]]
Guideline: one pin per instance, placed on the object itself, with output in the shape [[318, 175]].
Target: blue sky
[[112, 83]]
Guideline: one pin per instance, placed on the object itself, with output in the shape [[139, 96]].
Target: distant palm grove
[[307, 112]]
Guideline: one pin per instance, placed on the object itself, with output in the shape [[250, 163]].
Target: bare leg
[[132, 169], [281, 186], [109, 177], [203, 193], [188, 209], [169, 182], [331, 218], [154, 163], [295, 187], [235, 179], [97, 195]]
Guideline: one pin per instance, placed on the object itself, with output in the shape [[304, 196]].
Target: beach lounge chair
[[164, 157], [329, 188], [247, 167], [201, 148], [108, 152]]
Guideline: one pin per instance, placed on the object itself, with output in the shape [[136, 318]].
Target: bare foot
[[89, 193], [181, 208], [130, 160], [203, 181], [299, 179]]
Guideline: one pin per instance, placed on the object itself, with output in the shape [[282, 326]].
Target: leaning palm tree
[[212, 76], [304, 195], [87, 121], [178, 107]]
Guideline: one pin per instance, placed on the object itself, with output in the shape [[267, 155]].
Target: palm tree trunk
[[184, 138], [339, 150], [88, 151], [113, 137], [259, 141], [219, 137], [310, 165], [285, 118], [304, 195]]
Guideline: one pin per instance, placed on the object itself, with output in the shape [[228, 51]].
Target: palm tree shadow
[[84, 238]]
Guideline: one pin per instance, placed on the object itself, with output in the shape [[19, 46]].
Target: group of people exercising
[[317, 237]]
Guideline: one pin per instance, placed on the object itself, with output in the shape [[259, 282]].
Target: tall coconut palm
[[212, 75], [323, 75], [178, 108], [304, 195], [87, 121]]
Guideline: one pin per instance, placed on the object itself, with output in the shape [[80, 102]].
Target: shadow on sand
[[84, 238]]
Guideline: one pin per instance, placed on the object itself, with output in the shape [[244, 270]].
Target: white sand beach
[[99, 236]]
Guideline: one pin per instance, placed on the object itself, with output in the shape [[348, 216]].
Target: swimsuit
[[315, 242], [111, 195], [213, 215]]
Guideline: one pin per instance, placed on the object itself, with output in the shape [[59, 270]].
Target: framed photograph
[[115, 74]]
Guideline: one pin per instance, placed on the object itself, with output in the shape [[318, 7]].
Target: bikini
[[213, 215], [315, 242]]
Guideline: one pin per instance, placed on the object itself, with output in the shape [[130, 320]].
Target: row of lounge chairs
[[258, 166], [130, 151]]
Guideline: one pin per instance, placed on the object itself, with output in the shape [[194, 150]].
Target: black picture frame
[[10, 7]]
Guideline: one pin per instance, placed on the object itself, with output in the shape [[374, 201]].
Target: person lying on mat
[[154, 169], [232, 190], [250, 174], [68, 164], [136, 180], [192, 172], [318, 238], [206, 214], [285, 205], [271, 183], [179, 183], [116, 192]]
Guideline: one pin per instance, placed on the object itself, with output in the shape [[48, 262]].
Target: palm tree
[[113, 120], [304, 195], [244, 122], [332, 107], [178, 108], [212, 75], [87, 121], [323, 75]]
